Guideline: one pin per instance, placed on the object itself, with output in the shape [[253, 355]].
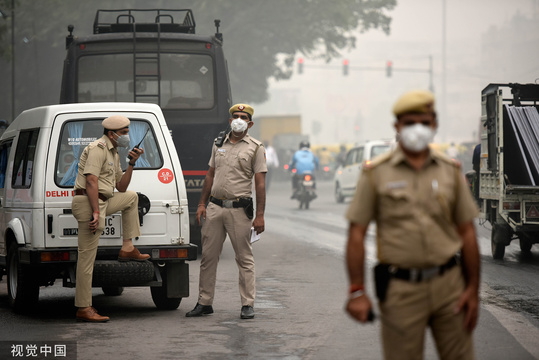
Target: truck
[[39, 155], [155, 56], [508, 177]]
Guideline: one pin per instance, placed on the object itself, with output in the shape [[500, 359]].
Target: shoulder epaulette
[[102, 144], [443, 157], [257, 142]]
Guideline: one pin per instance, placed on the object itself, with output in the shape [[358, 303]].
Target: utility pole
[[12, 60]]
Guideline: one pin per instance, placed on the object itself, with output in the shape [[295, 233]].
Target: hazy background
[[487, 41]]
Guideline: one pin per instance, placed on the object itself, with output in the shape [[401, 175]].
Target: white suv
[[347, 174], [39, 155]]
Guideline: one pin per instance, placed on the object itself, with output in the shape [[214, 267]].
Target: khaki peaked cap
[[243, 108], [415, 101], [115, 122]]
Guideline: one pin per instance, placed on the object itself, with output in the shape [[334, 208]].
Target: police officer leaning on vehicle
[[227, 186], [99, 173], [424, 216]]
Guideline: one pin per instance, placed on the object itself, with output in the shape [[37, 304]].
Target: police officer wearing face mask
[[227, 187], [99, 173], [428, 271]]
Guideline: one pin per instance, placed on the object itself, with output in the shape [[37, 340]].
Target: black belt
[[238, 203], [83, 192], [417, 275]]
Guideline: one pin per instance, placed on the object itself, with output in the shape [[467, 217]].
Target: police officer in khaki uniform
[[424, 216], [227, 186], [99, 173]]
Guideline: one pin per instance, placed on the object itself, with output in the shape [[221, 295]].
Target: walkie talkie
[[220, 139], [137, 146]]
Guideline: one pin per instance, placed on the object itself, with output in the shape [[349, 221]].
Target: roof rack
[[146, 20]]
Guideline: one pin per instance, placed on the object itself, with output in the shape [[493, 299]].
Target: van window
[[23, 165], [5, 148], [378, 150], [77, 134], [185, 81], [351, 157]]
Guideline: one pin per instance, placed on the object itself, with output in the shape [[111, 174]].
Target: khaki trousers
[[412, 307], [220, 222], [127, 203]]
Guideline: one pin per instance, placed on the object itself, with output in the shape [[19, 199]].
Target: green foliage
[[261, 37]]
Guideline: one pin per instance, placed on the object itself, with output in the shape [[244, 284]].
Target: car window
[[360, 152], [378, 150], [351, 157], [77, 134], [5, 148], [23, 165]]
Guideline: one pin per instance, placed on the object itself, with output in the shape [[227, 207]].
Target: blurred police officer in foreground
[[99, 173], [424, 216], [227, 186]]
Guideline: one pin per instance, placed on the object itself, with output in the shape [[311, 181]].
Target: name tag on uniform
[[396, 185], [221, 150]]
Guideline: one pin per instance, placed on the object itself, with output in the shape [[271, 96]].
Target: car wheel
[[338, 194], [23, 289], [525, 246], [159, 296], [113, 290]]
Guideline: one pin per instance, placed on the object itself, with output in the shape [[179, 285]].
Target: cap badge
[[241, 107]]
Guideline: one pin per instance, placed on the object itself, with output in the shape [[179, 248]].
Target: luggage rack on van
[[148, 20]]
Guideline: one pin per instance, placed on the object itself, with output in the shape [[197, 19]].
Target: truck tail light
[[51, 256], [173, 253], [513, 205]]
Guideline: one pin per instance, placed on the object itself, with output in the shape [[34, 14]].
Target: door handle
[[49, 224]]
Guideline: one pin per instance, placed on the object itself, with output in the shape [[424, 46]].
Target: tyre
[[159, 296], [306, 204], [338, 194], [112, 290], [525, 245], [112, 273], [23, 289], [499, 238]]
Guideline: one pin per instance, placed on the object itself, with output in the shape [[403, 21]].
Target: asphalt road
[[301, 290]]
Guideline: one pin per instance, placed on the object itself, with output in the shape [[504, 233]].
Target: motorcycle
[[306, 190]]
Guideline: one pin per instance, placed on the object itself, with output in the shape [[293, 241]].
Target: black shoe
[[200, 310], [247, 312]]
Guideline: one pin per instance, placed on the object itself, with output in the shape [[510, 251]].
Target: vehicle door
[[153, 176], [351, 170]]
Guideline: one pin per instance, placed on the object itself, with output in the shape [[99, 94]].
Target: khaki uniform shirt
[[416, 212], [235, 166], [100, 158]]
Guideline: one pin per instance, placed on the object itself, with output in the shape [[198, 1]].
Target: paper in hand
[[254, 235]]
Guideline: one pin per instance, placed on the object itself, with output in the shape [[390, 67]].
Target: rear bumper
[[166, 253]]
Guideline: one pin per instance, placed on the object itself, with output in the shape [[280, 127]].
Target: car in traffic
[[347, 174]]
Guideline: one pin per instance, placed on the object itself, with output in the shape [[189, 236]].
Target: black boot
[[200, 310]]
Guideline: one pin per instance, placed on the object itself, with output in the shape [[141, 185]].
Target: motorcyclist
[[304, 161]]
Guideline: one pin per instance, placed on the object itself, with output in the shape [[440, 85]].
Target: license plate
[[112, 228], [308, 183]]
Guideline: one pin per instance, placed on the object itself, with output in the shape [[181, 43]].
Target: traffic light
[[389, 69], [345, 67], [300, 66]]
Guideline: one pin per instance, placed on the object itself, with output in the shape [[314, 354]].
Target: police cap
[[115, 122], [243, 108], [416, 101]]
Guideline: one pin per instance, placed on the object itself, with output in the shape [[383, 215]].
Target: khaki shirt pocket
[[395, 204], [220, 158], [243, 163]]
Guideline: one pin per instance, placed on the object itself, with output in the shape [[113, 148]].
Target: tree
[[261, 37]]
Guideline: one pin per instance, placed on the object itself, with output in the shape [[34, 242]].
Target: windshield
[[176, 81], [76, 135]]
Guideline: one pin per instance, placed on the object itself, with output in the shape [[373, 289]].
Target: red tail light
[[286, 166], [326, 168], [294, 170], [307, 177]]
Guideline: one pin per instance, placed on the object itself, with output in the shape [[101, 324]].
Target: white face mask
[[416, 137], [123, 140], [238, 125]]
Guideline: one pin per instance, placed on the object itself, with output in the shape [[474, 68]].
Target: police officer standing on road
[[99, 173], [424, 216], [227, 186]]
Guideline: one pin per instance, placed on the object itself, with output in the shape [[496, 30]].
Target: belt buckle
[[414, 274], [228, 203], [430, 272]]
